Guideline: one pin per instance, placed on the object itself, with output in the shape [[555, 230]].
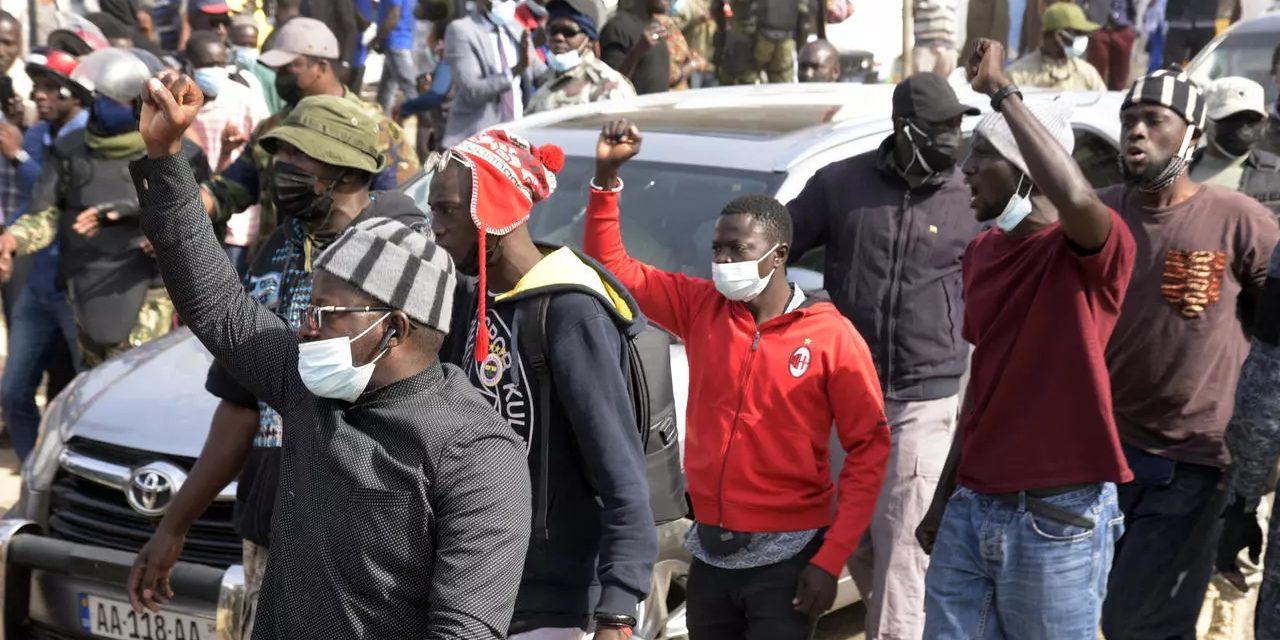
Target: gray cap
[[1052, 115], [398, 265], [301, 37], [1231, 95]]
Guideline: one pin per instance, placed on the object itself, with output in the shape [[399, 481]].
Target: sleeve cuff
[[618, 601], [831, 558], [600, 189]]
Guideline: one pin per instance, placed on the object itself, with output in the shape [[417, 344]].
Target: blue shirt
[[401, 36], [38, 142], [441, 80]]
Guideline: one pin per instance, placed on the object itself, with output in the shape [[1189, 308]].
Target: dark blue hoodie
[[600, 544]]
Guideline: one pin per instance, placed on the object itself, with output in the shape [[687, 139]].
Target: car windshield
[[668, 210], [1242, 54]]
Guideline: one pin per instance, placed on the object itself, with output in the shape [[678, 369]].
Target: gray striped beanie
[[398, 265], [1172, 89]]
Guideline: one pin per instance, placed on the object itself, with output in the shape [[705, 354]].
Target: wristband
[[615, 620], [1004, 92], [601, 189]]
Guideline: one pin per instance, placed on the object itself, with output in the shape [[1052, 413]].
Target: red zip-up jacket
[[762, 400]]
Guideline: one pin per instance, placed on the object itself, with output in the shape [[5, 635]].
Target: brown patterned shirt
[[1176, 352]]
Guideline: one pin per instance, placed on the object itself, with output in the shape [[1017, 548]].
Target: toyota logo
[[152, 487]]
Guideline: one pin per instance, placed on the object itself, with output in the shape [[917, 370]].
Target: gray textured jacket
[[479, 79], [402, 515]]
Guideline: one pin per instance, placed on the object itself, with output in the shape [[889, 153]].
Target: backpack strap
[[533, 350]]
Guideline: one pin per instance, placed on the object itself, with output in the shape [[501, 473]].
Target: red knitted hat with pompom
[[508, 175]]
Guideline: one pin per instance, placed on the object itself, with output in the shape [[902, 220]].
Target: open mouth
[[1134, 154]]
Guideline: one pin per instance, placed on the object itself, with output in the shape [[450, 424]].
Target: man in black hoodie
[[318, 200], [893, 249], [594, 541]]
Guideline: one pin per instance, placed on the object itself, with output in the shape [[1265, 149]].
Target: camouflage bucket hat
[[333, 130]]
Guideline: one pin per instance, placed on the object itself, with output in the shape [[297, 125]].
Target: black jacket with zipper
[[892, 265]]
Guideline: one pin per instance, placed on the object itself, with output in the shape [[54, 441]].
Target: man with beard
[[42, 330], [81, 203], [593, 546], [893, 249], [580, 77], [316, 199], [304, 53], [1175, 357], [1237, 112]]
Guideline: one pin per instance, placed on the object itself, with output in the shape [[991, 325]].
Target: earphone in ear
[[386, 340]]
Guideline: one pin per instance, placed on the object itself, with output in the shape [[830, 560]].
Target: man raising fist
[[771, 369]]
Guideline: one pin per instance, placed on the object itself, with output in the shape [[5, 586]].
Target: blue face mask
[[563, 62], [111, 117], [246, 56], [210, 80], [1016, 210]]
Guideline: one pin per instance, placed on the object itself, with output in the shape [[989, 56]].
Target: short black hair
[[773, 218], [199, 40]]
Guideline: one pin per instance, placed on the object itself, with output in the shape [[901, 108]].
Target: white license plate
[[106, 618]]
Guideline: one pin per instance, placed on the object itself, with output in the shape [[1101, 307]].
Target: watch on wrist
[[615, 620], [1002, 93]]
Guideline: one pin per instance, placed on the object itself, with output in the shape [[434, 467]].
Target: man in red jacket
[[770, 370]]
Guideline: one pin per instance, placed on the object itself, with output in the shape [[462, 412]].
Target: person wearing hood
[[1238, 120], [325, 160], [80, 202], [893, 251], [594, 542], [1059, 63], [1176, 355], [578, 76], [403, 501], [304, 54], [771, 370]]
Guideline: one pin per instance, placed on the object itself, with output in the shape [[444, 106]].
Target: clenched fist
[[170, 103]]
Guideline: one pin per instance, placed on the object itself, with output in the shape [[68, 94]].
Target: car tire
[[662, 614]]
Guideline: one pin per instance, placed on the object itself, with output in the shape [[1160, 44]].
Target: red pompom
[[551, 157]]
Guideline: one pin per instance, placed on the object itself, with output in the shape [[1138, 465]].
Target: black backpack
[[647, 360]]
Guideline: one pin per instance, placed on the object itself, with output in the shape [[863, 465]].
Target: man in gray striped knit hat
[[1175, 358], [404, 501]]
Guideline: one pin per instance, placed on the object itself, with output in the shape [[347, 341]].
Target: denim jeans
[[399, 70], [42, 335], [999, 571]]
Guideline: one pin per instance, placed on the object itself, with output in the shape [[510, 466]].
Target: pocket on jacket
[[383, 534]]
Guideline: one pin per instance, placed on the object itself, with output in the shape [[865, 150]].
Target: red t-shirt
[[1039, 315]]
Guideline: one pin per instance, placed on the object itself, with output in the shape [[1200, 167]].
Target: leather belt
[[1031, 500]]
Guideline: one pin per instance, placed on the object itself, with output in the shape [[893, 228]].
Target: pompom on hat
[[508, 176]]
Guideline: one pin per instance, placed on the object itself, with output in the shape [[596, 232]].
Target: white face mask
[[326, 369], [564, 62], [1016, 210], [1077, 48], [741, 281]]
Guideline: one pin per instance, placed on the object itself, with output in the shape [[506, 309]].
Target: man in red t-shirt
[[1027, 537]]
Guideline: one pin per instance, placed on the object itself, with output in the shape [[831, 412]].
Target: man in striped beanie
[[1175, 357], [404, 500], [542, 338]]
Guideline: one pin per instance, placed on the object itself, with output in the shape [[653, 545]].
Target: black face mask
[[294, 194], [287, 87], [937, 150], [1238, 137]]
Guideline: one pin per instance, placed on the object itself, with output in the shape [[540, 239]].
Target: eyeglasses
[[314, 315], [565, 31]]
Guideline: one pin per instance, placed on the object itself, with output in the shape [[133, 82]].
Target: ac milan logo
[[799, 362]]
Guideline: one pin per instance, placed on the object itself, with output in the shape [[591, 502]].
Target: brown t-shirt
[[1176, 352]]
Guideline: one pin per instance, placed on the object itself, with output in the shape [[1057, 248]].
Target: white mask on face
[[1077, 47], [741, 281], [565, 62], [1016, 210], [326, 369]]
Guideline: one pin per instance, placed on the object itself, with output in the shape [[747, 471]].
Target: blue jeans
[[42, 330], [999, 571], [399, 70]]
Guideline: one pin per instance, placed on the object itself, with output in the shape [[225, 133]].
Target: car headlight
[[40, 467]]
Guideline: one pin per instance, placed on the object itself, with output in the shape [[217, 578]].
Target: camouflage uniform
[[760, 39], [155, 319], [736, 62], [1253, 436], [590, 81], [248, 181]]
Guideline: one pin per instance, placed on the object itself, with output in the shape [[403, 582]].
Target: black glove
[[1240, 530]]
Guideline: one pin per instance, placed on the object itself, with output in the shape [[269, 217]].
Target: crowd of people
[[1105, 461]]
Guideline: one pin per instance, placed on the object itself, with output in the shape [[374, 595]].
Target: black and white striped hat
[[1172, 89], [398, 265]]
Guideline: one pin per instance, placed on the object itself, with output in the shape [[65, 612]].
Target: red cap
[[215, 7], [508, 175]]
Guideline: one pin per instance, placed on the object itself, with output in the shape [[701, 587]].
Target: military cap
[[332, 130]]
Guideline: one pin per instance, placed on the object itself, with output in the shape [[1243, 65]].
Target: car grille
[[87, 512]]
